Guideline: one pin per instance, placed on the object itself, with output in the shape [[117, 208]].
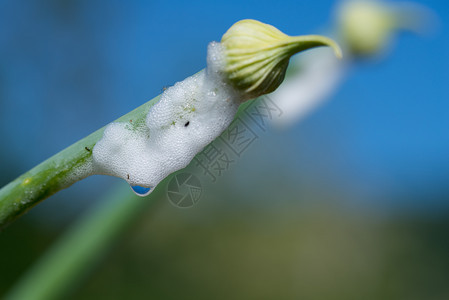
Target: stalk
[[255, 59], [73, 256], [56, 173], [76, 253]]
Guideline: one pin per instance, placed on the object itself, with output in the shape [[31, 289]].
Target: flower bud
[[256, 55], [367, 26]]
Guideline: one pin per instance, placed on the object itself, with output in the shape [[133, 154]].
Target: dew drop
[[141, 191]]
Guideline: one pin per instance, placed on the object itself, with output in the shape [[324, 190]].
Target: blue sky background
[[70, 67]]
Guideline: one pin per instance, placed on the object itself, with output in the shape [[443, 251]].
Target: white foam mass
[[188, 116]]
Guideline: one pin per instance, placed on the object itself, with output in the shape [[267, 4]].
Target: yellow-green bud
[[367, 26], [257, 54]]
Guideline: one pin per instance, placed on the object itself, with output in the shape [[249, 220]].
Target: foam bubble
[[188, 116]]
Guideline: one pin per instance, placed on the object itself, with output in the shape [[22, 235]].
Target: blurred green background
[[350, 203]]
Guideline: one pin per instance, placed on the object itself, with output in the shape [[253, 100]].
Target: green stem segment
[[256, 57], [77, 252], [72, 257], [57, 172]]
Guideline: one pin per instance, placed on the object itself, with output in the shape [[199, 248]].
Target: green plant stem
[[76, 253], [56, 173], [75, 163], [88, 239]]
